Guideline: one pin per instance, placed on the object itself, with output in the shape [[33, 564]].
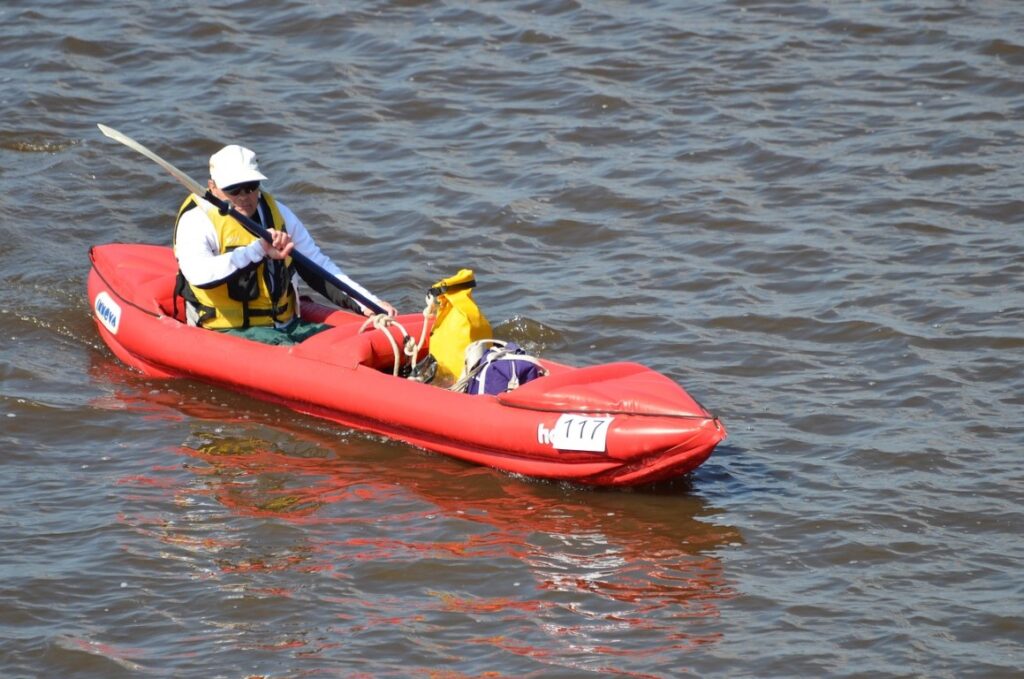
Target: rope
[[474, 361], [411, 348], [383, 322]]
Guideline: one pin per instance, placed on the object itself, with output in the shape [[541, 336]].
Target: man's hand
[[281, 244], [388, 309]]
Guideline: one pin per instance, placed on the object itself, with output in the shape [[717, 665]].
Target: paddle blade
[[182, 178]]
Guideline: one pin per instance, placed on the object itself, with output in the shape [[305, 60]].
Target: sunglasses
[[240, 189]]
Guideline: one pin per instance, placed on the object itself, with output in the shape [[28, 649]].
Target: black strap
[[184, 291], [439, 290]]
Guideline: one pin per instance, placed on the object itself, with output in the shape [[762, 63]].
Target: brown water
[[808, 213]]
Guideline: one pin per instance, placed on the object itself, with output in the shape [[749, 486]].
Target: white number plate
[[579, 432]]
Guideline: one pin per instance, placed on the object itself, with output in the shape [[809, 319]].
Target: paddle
[[205, 199]]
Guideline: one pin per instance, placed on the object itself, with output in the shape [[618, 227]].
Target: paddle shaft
[[250, 225]]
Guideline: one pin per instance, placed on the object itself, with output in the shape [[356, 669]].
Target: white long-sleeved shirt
[[201, 261]]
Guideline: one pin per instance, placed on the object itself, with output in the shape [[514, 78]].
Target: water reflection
[[422, 543]]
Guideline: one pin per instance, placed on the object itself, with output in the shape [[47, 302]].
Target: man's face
[[243, 197]]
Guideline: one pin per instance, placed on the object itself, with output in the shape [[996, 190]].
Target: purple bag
[[502, 368]]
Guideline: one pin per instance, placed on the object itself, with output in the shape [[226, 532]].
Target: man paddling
[[234, 281]]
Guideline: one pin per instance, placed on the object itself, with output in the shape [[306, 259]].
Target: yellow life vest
[[244, 299], [458, 322]]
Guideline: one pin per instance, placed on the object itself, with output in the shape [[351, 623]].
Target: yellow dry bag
[[458, 322]]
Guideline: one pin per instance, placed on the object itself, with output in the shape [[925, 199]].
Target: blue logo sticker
[[107, 312]]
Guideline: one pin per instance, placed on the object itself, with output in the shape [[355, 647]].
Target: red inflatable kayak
[[616, 424]]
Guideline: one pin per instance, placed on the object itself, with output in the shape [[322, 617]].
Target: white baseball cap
[[234, 165]]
